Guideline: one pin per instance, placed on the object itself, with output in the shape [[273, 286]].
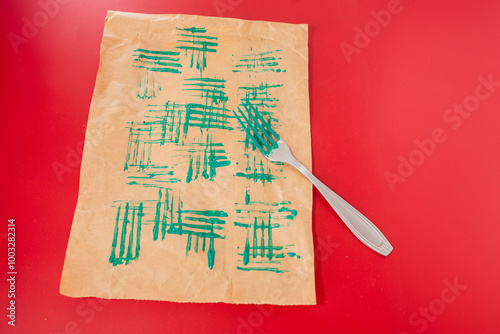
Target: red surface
[[443, 220]]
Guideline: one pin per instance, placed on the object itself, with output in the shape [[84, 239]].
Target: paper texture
[[175, 203]]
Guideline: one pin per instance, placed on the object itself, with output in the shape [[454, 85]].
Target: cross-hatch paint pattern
[[125, 240], [196, 45], [261, 220], [258, 100], [186, 133], [267, 61], [170, 218], [154, 61]]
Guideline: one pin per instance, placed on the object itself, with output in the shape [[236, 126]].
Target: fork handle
[[361, 226]]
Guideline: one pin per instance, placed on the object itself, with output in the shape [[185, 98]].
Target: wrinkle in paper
[[175, 203]]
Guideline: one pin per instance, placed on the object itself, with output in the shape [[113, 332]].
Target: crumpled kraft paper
[[175, 202]]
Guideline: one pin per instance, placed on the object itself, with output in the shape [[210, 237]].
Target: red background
[[443, 220]]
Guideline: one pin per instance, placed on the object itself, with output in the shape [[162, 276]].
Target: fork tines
[[258, 129]]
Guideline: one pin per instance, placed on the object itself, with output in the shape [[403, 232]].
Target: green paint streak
[[196, 244], [262, 247], [202, 43], [206, 79], [124, 232], [211, 254], [161, 63], [261, 53], [197, 167], [159, 69], [247, 197], [189, 176], [188, 244], [203, 246], [194, 48], [130, 238], [268, 203], [140, 214], [206, 220], [254, 244], [129, 146], [157, 217], [270, 239], [205, 159], [246, 253], [202, 227], [260, 59], [274, 270], [263, 177], [211, 213], [291, 254], [160, 58], [202, 84], [112, 257], [147, 88], [164, 222], [193, 30], [198, 36], [166, 53], [292, 214]]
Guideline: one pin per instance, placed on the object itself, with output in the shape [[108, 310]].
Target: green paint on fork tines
[[257, 128]]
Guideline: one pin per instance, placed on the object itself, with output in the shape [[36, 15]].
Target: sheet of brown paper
[[175, 203]]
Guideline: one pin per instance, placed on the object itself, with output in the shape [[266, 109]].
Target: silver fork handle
[[361, 226]]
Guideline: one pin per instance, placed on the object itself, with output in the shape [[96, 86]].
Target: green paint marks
[[257, 122], [157, 217], [271, 269], [139, 147], [194, 30], [261, 220], [246, 256], [255, 105], [257, 171], [258, 248], [167, 205], [176, 221], [189, 176], [211, 90], [259, 62], [254, 244], [186, 133], [270, 243], [157, 61], [209, 213], [201, 116], [247, 197], [260, 96], [167, 129], [211, 254], [196, 244], [257, 176], [204, 158], [148, 87], [292, 214], [188, 244], [130, 239], [194, 41], [257, 128]]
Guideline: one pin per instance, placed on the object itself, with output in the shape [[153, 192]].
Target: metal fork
[[275, 149]]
